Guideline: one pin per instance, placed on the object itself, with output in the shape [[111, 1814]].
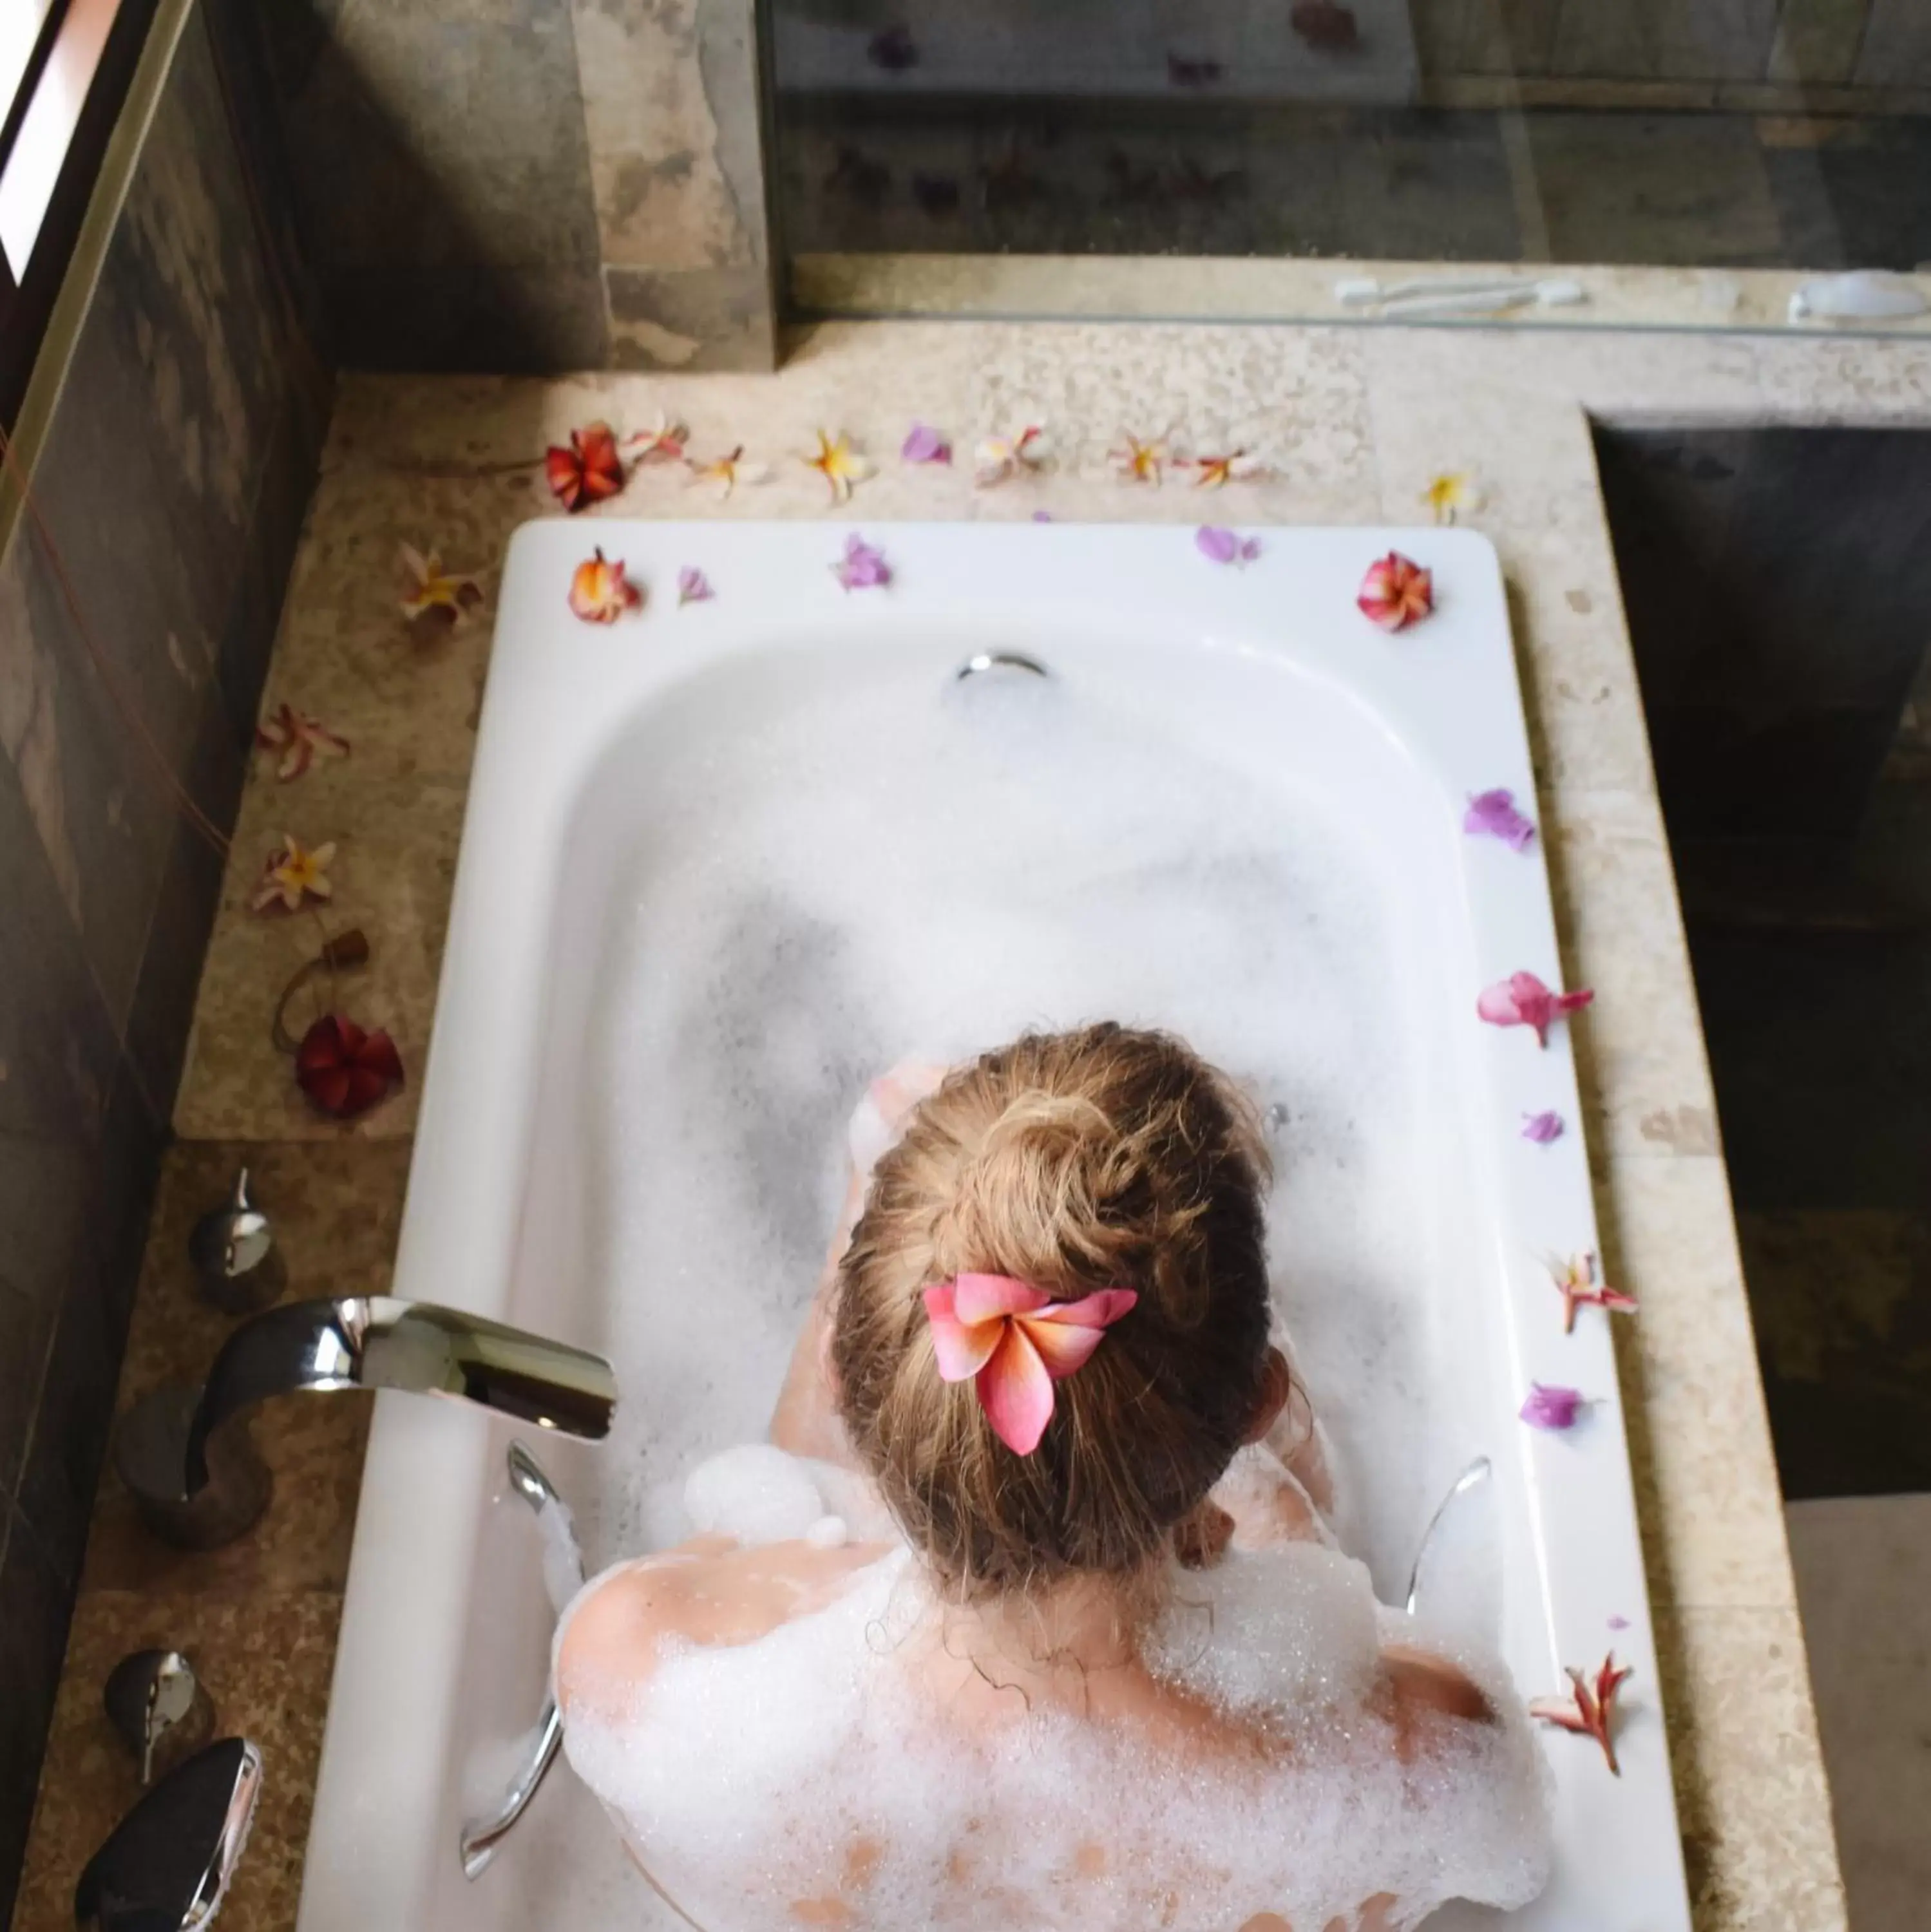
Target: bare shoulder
[[1422, 1690], [710, 1591]]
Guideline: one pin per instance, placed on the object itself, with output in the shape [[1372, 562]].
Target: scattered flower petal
[[1542, 1128], [924, 444], [1550, 1406], [663, 441], [344, 1069], [428, 588], [1042, 516], [862, 567], [586, 470], [1224, 546], [600, 593], [839, 464], [300, 738], [693, 587], [293, 874], [1396, 592], [1494, 814], [1449, 493], [1214, 472], [998, 457], [1575, 1282], [728, 472], [1522, 1000], [1589, 1710], [1138, 462], [1013, 1341], [1619, 1623]]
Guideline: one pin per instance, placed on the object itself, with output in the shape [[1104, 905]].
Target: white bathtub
[[612, 983]]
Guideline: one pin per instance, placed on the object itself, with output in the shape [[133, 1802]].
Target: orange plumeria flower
[[662, 441], [839, 464], [427, 586], [294, 873], [1452, 491], [1138, 462], [728, 471], [600, 593], [1213, 473]]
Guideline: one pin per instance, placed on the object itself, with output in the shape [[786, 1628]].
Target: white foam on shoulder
[[749, 1779]]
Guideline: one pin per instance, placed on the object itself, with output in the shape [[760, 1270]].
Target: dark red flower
[[588, 471], [345, 1070]]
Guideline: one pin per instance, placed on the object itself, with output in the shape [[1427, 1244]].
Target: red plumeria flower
[[1589, 1710], [1522, 1000], [600, 593], [1396, 592], [587, 470], [300, 738], [1014, 1342], [1575, 1282], [344, 1069]]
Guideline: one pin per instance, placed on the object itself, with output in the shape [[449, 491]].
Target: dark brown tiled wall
[[171, 484]]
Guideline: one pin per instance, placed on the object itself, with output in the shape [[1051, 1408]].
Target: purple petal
[[1494, 813], [1042, 516], [1548, 1407], [1216, 544], [1619, 1623], [1250, 549], [693, 587], [925, 445], [1542, 1128], [862, 567]]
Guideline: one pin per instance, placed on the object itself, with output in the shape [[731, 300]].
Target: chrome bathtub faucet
[[188, 1457]]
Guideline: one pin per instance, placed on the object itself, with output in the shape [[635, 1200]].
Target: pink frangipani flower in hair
[[1493, 814], [1522, 1000], [1013, 1341], [1550, 1406]]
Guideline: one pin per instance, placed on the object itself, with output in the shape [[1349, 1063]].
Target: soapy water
[[893, 870], [744, 1775], [905, 870]]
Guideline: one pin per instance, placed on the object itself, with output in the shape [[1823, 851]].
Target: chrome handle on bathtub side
[[985, 660], [477, 1844], [187, 1454]]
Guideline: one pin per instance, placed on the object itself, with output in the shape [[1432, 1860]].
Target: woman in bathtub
[[1036, 1623]]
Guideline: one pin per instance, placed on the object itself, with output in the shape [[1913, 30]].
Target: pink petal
[[924, 444], [1091, 1311], [961, 1351], [1542, 1128], [1218, 545], [1619, 1623], [1042, 516], [1553, 1408], [1063, 1347], [1498, 1005], [693, 587], [1494, 814], [986, 1297], [863, 567], [1015, 1392]]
